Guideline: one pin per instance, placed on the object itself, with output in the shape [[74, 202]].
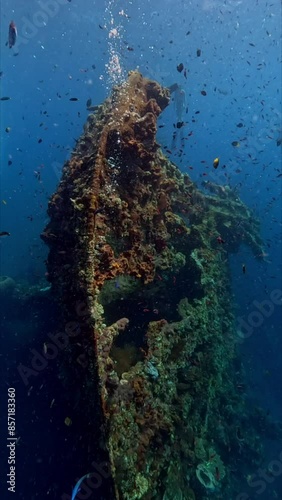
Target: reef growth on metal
[[134, 254]]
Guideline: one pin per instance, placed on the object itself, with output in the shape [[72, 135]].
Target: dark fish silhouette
[[12, 35]]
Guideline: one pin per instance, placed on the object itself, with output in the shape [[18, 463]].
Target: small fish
[[243, 268], [8, 129], [88, 103], [5, 98], [203, 92], [217, 474], [180, 124], [235, 144], [73, 99], [180, 67], [240, 125], [215, 163], [12, 35], [279, 141], [5, 233], [198, 52], [78, 484], [220, 240]]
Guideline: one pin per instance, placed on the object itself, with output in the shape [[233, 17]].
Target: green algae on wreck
[[125, 262]]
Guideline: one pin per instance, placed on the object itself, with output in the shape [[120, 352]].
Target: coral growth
[[136, 242], [7, 286]]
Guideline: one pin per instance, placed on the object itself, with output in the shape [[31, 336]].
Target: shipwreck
[[144, 288]]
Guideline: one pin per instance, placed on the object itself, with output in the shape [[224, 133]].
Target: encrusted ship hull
[[142, 279]]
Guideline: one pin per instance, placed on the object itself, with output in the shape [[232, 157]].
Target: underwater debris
[[130, 235]]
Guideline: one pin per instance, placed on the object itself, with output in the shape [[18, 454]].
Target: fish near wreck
[[130, 235], [12, 35]]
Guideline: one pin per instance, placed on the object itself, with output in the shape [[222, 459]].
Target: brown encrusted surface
[[135, 241]]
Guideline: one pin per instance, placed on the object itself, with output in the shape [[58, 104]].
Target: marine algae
[[134, 241]]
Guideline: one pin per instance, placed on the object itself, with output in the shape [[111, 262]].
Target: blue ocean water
[[70, 51]]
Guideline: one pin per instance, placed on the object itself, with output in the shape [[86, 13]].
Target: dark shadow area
[[57, 436]]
